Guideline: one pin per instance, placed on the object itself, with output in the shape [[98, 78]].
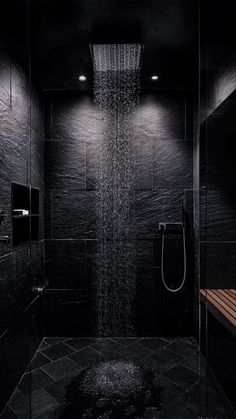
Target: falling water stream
[[116, 85]]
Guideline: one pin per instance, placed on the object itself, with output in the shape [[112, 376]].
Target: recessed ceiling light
[[82, 78], [154, 77]]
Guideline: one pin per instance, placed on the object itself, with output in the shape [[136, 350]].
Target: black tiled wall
[[218, 179], [22, 161], [163, 159], [217, 197]]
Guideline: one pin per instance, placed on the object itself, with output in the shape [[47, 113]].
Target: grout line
[[63, 357]]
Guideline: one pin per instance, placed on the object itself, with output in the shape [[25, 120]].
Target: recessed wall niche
[[25, 214]]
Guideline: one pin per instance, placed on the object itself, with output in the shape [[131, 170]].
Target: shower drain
[[113, 389]]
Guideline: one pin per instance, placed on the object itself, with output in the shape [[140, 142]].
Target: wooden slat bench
[[222, 303]]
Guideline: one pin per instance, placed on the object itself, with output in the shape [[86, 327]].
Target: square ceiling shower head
[[116, 57]]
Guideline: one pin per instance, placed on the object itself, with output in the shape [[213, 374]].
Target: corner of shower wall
[[217, 188], [22, 162]]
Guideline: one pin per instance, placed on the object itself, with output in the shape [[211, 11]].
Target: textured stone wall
[[218, 202], [163, 160], [22, 161]]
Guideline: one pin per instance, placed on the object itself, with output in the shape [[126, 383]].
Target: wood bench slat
[[221, 303], [232, 293], [218, 303], [227, 299], [213, 297], [223, 312]]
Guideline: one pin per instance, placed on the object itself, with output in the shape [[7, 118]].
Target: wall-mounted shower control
[[4, 239], [170, 227]]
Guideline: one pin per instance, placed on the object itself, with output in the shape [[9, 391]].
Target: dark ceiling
[[61, 31]]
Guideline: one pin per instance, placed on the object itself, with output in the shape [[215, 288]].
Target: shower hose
[[162, 262]]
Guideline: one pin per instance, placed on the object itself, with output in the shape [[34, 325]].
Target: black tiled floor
[[173, 361], [181, 347], [53, 341], [192, 362], [182, 376], [178, 410], [153, 343], [108, 347], [8, 414], [60, 368], [170, 392], [165, 359], [109, 351], [136, 352], [218, 406], [35, 405], [39, 360], [34, 380], [79, 343], [86, 356], [189, 340], [125, 341], [58, 388], [57, 351], [43, 345]]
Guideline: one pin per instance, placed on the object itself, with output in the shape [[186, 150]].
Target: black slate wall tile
[[220, 146], [218, 262], [157, 206], [5, 78], [218, 214], [37, 264], [20, 97], [22, 161], [189, 115], [92, 153], [68, 313], [173, 164], [7, 291], [160, 116], [65, 264], [41, 213], [73, 214], [47, 213], [65, 164], [142, 150], [37, 114], [144, 254], [5, 206], [221, 168], [48, 115], [162, 149], [146, 323], [13, 147], [144, 161], [22, 279], [217, 197], [37, 160], [91, 275], [74, 117], [16, 348]]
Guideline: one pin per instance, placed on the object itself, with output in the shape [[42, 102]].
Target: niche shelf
[[25, 213]]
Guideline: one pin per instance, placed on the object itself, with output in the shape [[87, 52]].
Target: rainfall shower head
[[116, 57]]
